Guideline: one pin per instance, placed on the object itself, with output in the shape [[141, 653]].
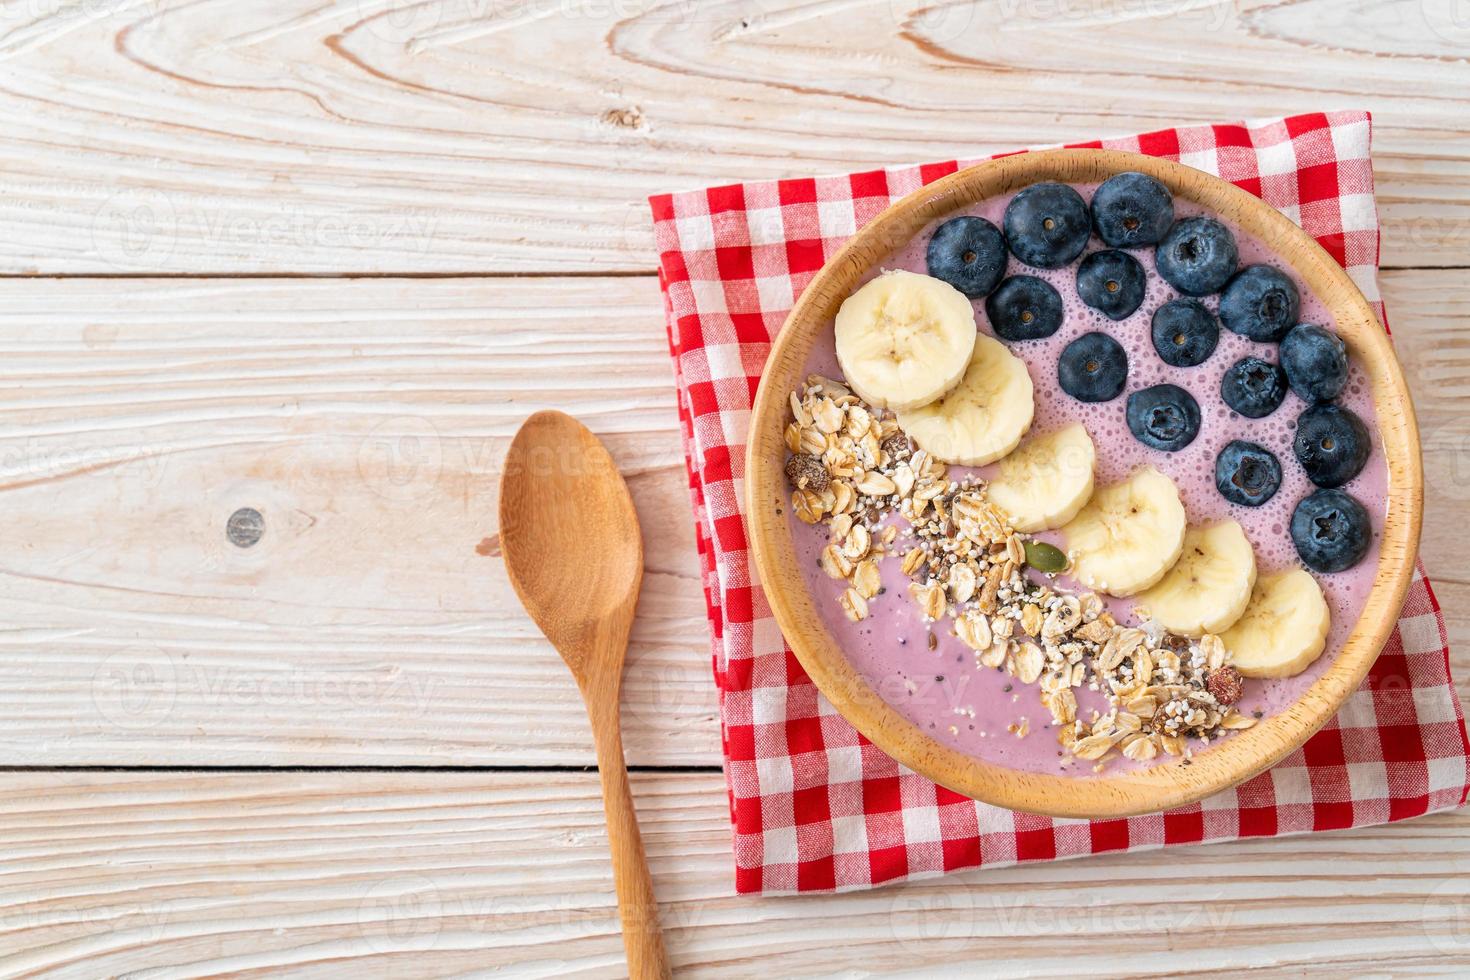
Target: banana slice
[[904, 339], [1209, 586], [1128, 535], [1284, 628], [983, 417], [1044, 484]]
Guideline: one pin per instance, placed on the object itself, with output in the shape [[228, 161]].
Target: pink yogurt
[[968, 707]]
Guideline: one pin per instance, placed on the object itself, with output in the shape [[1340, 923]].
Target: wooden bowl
[[1232, 760]]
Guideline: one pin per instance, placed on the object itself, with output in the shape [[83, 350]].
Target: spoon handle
[[637, 906]]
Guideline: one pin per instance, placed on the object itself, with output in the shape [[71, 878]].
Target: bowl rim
[[1231, 761]]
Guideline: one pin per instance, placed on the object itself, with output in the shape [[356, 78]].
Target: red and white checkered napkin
[[818, 807]]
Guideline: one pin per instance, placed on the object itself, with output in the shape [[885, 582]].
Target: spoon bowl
[[570, 538]]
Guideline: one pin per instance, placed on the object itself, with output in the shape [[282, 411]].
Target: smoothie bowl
[[1084, 483]]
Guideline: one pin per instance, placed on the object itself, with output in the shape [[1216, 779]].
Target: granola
[[854, 470]]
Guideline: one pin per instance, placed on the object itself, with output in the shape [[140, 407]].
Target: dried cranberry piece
[[1226, 684]]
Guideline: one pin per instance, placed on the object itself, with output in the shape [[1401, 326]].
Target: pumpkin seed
[[1044, 557]]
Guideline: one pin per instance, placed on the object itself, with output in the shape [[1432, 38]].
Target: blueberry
[[1260, 302], [1131, 210], [1331, 530], [1184, 332], [1111, 282], [1164, 417], [1246, 473], [968, 253], [1332, 444], [1315, 361], [1024, 308], [1197, 256], [1047, 225], [1253, 387], [1093, 368]]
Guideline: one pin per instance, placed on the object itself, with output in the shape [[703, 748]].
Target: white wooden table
[[319, 260]]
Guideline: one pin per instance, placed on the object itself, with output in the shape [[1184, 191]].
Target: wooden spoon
[[571, 543]]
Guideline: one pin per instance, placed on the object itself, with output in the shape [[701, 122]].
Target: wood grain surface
[[330, 200], [523, 135], [366, 420], [474, 874]]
